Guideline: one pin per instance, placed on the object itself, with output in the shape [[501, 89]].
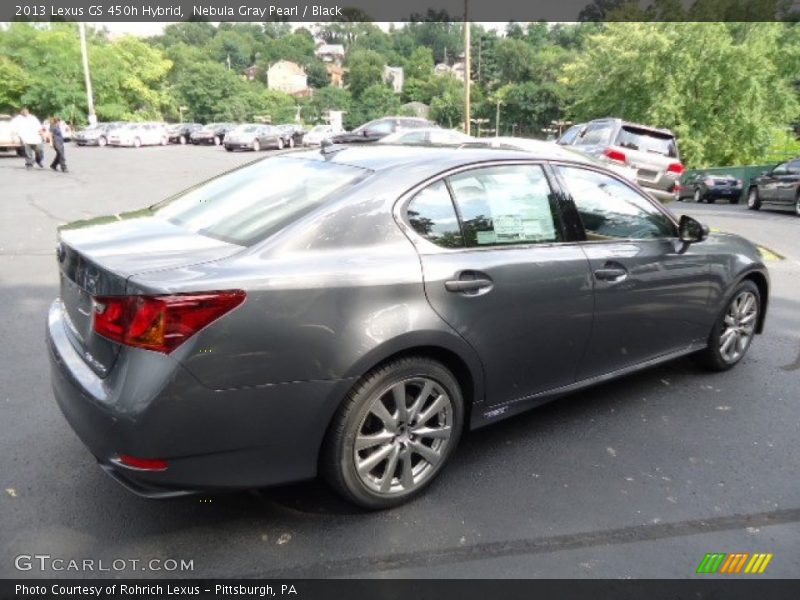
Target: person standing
[[57, 140], [29, 131]]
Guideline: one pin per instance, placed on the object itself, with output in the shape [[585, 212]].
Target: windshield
[[647, 141], [250, 204], [320, 128]]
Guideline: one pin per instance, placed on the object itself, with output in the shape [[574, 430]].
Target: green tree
[[722, 97], [375, 101], [365, 68]]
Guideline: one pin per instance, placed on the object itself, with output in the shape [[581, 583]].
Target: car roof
[[380, 157]]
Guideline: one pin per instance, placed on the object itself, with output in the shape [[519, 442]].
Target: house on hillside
[[287, 76], [333, 57], [394, 77], [330, 53], [253, 73]]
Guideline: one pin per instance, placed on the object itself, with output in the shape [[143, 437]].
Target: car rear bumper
[[239, 146], [211, 439]]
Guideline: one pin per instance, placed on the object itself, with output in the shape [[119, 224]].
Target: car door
[[499, 270], [650, 292], [787, 184], [768, 183]]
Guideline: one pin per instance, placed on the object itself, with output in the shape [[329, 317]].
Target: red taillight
[[675, 167], [146, 464], [160, 323], [615, 154]]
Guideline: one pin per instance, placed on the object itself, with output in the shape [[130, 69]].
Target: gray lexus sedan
[[350, 312]]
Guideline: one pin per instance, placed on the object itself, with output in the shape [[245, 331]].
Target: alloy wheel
[[739, 326], [403, 436]]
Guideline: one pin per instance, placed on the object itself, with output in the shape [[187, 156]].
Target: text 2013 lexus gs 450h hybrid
[[352, 311]]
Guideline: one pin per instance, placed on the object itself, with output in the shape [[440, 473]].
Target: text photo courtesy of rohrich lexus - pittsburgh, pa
[[443, 299]]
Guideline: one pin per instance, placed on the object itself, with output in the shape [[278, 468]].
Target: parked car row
[[137, 134]]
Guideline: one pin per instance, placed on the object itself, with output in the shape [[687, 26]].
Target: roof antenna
[[329, 148]]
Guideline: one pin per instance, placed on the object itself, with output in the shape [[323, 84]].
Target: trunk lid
[[97, 257]]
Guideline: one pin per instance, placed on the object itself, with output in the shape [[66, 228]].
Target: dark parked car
[[379, 128], [710, 187], [292, 135], [652, 152], [779, 187], [213, 133], [180, 133], [253, 137], [354, 310]]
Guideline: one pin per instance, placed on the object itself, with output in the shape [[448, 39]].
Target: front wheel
[[753, 201], [256, 145], [291, 142], [182, 140], [102, 141], [394, 433], [733, 332], [217, 140], [280, 143], [137, 143], [698, 197], [797, 204]]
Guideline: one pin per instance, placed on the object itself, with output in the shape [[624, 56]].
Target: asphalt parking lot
[[637, 478]]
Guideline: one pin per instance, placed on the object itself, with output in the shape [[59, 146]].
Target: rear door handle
[[611, 274], [467, 285]]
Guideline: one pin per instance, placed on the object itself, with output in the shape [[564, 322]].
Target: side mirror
[[691, 230], [366, 133]]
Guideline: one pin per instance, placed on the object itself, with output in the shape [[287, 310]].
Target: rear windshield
[[647, 141], [249, 204]]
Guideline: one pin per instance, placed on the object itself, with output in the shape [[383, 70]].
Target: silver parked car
[[353, 311], [253, 136], [652, 152]]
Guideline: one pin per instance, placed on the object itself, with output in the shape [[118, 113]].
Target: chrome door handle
[[467, 285], [610, 274]]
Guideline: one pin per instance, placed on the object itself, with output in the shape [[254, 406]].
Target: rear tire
[[280, 143], [217, 140], [291, 142], [137, 143], [753, 201], [394, 433], [698, 197], [797, 204], [182, 140], [734, 329]]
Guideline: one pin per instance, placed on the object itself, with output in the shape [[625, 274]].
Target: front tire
[[102, 141], [256, 146], [734, 330], [393, 433], [280, 143], [217, 140], [797, 204], [182, 140], [698, 197], [291, 142], [753, 201], [137, 143]]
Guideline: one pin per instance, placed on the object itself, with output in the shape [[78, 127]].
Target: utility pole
[[497, 120], [466, 69], [87, 76]]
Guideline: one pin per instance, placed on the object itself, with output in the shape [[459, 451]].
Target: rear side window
[[432, 215], [647, 141], [569, 135], [505, 205], [249, 204]]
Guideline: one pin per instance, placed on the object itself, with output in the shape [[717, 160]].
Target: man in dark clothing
[[57, 137]]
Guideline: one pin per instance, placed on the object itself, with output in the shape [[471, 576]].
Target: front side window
[[432, 216], [610, 209], [505, 205]]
